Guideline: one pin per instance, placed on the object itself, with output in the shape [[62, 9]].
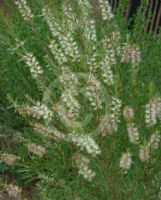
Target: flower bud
[[128, 113]]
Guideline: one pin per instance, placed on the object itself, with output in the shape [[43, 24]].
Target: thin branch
[[158, 19], [154, 16], [128, 10], [149, 13]]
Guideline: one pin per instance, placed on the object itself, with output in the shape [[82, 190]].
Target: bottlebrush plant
[[87, 120]]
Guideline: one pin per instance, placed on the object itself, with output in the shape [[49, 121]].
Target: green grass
[[56, 173]]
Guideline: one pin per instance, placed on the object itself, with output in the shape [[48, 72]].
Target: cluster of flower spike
[[62, 112], [83, 165], [92, 63], [34, 65], [107, 73], [57, 53], [130, 53], [65, 40], [107, 125], [36, 149], [65, 49], [85, 142], [13, 191], [94, 93], [116, 42], [154, 141], [131, 127], [153, 111], [69, 46], [133, 133], [114, 118], [49, 20], [71, 103], [24, 10], [70, 17], [68, 97], [126, 158], [48, 132], [69, 79], [125, 161], [111, 48], [104, 126], [9, 159], [85, 7], [90, 32], [106, 10], [38, 111], [146, 150]]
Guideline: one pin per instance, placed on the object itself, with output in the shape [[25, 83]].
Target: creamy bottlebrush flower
[[85, 142], [114, 117], [38, 111], [84, 4], [94, 93], [24, 10], [130, 53], [70, 82], [9, 159], [110, 52], [126, 53], [109, 123], [69, 79], [58, 53], [106, 10], [83, 165], [146, 150], [85, 7], [41, 110], [135, 55], [92, 63], [49, 132], [13, 191], [47, 15], [90, 32], [69, 46], [70, 18], [154, 141], [125, 161], [152, 110], [111, 46], [115, 42], [36, 149], [62, 112], [39, 128], [128, 113], [66, 40], [158, 102], [106, 126], [70, 102], [107, 73], [34, 65], [144, 153], [54, 26], [133, 133]]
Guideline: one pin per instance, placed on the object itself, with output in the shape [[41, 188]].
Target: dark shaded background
[[154, 8]]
